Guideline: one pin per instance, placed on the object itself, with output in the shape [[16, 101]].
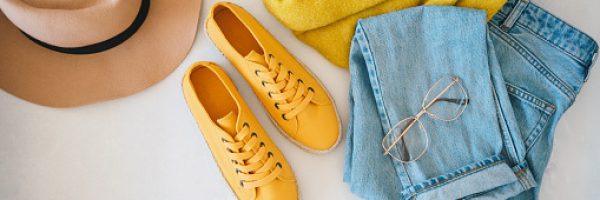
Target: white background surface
[[147, 146]]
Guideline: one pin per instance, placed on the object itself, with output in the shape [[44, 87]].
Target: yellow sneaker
[[249, 161], [296, 101]]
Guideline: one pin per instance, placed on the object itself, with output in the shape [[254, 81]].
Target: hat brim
[[42, 76]]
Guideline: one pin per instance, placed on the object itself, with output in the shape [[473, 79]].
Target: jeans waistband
[[547, 27]]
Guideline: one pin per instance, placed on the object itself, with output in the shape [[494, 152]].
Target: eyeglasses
[[446, 100]]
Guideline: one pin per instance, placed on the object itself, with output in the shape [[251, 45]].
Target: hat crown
[[71, 23]]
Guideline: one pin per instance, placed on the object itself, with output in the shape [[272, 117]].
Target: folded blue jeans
[[520, 74], [544, 62]]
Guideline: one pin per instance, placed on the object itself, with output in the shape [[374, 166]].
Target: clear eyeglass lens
[[446, 99], [407, 140]]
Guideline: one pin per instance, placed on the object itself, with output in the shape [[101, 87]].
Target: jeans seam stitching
[[528, 182], [561, 49], [521, 171], [523, 94], [506, 134], [551, 43], [537, 65], [375, 80], [564, 22], [540, 127], [541, 123], [405, 171], [534, 132]]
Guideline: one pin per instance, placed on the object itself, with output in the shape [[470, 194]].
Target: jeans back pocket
[[531, 112]]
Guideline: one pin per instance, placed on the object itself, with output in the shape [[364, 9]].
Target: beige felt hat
[[65, 53]]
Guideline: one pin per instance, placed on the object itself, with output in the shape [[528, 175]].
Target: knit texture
[[328, 26]]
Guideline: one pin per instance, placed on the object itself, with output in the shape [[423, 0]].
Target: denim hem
[[456, 184], [524, 175]]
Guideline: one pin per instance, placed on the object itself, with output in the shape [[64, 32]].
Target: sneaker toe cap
[[318, 128]]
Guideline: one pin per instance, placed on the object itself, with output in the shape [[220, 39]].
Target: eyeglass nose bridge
[[420, 114]]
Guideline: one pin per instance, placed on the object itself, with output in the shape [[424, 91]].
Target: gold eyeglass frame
[[424, 109]]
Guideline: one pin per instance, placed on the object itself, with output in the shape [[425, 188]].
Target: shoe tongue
[[228, 123], [256, 57]]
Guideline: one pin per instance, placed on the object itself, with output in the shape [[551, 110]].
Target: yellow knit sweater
[[328, 25]]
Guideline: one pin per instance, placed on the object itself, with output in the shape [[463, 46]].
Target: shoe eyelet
[[283, 116], [270, 94], [256, 72], [271, 56], [279, 165], [246, 125], [277, 105], [254, 134], [229, 150], [279, 64], [290, 73], [262, 144], [237, 171], [223, 140], [300, 81], [242, 183], [234, 161], [311, 89], [263, 83], [270, 154]]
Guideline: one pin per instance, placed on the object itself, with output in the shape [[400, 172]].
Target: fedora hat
[[66, 53]]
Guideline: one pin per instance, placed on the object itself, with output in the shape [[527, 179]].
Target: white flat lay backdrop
[[147, 146]]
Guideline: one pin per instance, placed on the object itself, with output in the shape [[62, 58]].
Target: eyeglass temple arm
[[456, 101]]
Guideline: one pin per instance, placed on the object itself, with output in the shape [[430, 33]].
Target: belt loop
[[589, 71], [514, 14]]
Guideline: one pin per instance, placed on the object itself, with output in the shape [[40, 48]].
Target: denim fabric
[[493, 150], [544, 62]]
